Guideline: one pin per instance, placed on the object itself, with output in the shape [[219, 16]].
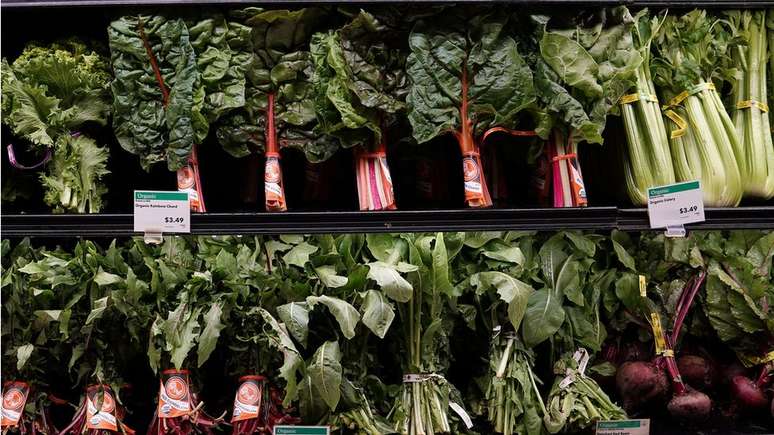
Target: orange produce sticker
[[14, 398], [476, 191], [105, 417], [186, 182], [273, 189], [247, 401], [174, 397]]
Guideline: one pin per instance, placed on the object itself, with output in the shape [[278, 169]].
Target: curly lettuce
[[48, 94]]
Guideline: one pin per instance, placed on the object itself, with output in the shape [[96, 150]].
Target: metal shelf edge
[[591, 218], [644, 3], [121, 225]]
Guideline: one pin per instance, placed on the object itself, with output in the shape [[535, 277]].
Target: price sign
[[675, 205], [161, 212], [624, 427], [302, 430]]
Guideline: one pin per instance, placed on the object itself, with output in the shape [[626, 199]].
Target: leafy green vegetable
[[157, 91], [279, 107], [360, 85], [467, 77], [49, 93], [584, 69], [577, 401], [514, 405]]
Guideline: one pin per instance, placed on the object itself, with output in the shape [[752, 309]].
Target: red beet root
[[639, 382], [731, 371], [747, 393], [696, 371], [691, 405]]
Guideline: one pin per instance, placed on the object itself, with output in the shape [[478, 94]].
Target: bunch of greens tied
[[50, 94], [173, 77]]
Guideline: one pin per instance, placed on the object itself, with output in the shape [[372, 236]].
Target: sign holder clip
[[675, 231], [152, 237]]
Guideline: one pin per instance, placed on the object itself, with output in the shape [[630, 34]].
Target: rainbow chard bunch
[[585, 66], [173, 78], [49, 94], [360, 86], [468, 79], [690, 49], [749, 104], [158, 96], [279, 105]]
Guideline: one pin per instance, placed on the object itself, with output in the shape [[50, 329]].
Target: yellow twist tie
[[631, 98], [763, 107], [682, 126], [658, 333], [688, 92], [668, 352]]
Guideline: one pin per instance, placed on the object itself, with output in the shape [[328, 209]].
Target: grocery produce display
[[497, 332], [318, 88], [451, 237]]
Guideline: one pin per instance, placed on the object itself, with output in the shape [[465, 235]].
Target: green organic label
[[161, 196], [673, 188], [301, 430], [621, 424]]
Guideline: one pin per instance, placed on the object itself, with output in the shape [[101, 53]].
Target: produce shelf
[[546, 219], [645, 3], [119, 225], [717, 219]]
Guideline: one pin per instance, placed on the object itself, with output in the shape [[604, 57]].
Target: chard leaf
[[328, 276], [295, 316], [23, 354], [343, 311], [158, 120], [359, 80], [299, 254], [209, 336], [513, 292], [543, 317], [453, 52], [583, 71], [325, 373], [377, 313], [281, 66], [390, 281]]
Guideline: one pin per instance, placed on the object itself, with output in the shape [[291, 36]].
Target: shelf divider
[[539, 219]]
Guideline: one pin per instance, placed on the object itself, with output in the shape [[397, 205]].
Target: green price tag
[[302, 430]]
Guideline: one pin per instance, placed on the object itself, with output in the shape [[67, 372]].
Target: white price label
[[624, 427], [161, 212], [675, 204]]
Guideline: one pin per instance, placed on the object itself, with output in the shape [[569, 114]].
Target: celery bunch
[[690, 49], [647, 161], [755, 151]]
